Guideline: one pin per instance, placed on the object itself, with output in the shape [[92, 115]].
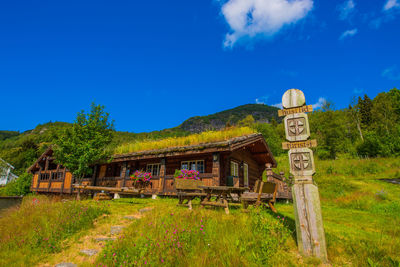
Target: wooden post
[[162, 176], [93, 182], [216, 169], [307, 207], [63, 181], [38, 179], [123, 174]]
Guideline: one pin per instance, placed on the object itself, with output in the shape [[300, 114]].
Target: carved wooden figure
[[307, 207]]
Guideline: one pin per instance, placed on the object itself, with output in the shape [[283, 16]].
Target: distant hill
[[22, 149], [217, 121], [7, 134]]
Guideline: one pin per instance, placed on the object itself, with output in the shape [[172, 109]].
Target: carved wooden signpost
[[307, 208]]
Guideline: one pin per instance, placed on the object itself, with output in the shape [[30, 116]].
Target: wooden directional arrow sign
[[301, 144], [284, 112]]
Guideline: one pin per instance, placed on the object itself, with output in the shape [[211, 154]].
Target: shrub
[[271, 234], [371, 147], [18, 187], [323, 154]]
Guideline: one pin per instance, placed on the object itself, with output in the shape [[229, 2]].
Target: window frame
[[152, 165], [196, 162], [246, 174], [235, 170]]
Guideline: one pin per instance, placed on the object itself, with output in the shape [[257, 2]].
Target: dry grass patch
[[194, 139]]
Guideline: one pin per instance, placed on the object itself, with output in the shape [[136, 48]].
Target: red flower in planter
[[187, 174]]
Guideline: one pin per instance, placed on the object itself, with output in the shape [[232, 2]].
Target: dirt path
[[83, 248]]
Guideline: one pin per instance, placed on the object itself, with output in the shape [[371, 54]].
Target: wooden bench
[[188, 190], [263, 193]]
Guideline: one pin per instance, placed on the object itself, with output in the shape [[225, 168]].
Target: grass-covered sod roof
[[190, 140]]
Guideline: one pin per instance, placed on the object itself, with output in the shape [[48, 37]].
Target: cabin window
[[246, 174], [234, 169], [197, 165], [154, 169], [56, 175], [44, 176]]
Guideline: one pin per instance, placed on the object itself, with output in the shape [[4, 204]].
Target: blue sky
[[154, 64]]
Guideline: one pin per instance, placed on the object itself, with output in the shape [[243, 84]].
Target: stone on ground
[[89, 252], [145, 209], [133, 217], [115, 230], [101, 239], [66, 264]]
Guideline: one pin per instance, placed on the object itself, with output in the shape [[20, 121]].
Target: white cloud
[[357, 91], [278, 105], [262, 100], [391, 73], [346, 9], [320, 103], [348, 33], [254, 18], [391, 4]]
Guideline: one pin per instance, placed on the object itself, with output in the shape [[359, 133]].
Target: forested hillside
[[367, 128], [260, 113]]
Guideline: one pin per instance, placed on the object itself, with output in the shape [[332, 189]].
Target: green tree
[[271, 136], [329, 128], [85, 143], [354, 116], [395, 96], [18, 187], [365, 107], [248, 121], [384, 116]]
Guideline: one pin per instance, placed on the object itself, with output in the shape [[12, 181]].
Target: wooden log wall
[[241, 156]]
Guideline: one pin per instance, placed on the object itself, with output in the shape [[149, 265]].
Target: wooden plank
[[301, 144], [108, 189], [303, 109], [187, 184], [215, 204]]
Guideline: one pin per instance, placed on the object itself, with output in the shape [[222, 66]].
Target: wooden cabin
[[239, 161], [49, 176]]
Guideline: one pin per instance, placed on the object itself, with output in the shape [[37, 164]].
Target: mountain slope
[[217, 121], [22, 149]]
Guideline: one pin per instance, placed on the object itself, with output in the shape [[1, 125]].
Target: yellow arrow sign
[[302, 144], [284, 112]]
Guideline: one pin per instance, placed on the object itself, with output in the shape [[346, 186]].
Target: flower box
[[187, 184]]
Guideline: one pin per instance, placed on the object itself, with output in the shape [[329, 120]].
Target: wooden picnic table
[[223, 195]]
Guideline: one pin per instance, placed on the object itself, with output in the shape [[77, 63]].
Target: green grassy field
[[361, 217]]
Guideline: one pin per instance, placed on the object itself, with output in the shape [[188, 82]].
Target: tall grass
[[361, 213], [172, 236], [194, 139], [39, 226]]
